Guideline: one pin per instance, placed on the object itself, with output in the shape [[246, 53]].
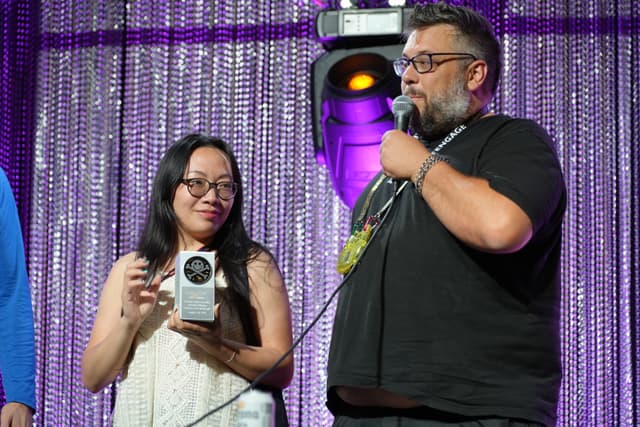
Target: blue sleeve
[[17, 355]]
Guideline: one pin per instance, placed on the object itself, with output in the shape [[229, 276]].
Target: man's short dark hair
[[475, 33]]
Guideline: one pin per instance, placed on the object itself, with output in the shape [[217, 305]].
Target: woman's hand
[[124, 304], [205, 334], [138, 300]]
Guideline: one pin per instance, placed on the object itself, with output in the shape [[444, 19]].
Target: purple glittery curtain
[[118, 81]]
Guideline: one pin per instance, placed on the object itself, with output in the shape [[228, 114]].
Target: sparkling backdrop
[[88, 110]]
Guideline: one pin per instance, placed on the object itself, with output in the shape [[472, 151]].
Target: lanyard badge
[[360, 234], [355, 244]]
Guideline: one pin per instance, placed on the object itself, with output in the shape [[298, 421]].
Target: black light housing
[[352, 94], [353, 86]]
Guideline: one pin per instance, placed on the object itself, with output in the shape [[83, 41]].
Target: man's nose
[[409, 76]]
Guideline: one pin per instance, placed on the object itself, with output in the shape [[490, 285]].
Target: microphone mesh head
[[402, 105]]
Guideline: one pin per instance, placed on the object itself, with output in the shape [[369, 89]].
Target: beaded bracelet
[[426, 166]]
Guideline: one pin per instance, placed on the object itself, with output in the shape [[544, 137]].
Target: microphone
[[402, 109]]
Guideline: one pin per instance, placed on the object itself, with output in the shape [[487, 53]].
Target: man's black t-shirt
[[459, 330]]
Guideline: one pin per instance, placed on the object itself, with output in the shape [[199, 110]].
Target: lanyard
[[361, 232], [457, 131]]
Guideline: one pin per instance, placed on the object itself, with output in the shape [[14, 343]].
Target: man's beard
[[444, 113]]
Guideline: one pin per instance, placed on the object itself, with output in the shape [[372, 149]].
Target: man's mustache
[[413, 92]]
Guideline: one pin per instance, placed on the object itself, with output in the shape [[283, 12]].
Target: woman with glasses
[[175, 371]]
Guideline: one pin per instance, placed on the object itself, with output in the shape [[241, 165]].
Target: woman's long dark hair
[[159, 239]]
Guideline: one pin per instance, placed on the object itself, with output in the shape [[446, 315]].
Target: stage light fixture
[[357, 27], [352, 110], [353, 86]]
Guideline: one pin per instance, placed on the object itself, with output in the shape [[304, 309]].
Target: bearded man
[[450, 316]]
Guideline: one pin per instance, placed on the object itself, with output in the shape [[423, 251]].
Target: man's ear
[[476, 74]]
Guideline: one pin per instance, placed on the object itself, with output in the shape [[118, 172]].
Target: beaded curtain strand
[[118, 82]]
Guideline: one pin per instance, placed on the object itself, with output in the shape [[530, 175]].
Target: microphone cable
[[315, 320]]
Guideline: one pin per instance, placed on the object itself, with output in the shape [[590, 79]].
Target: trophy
[[195, 285]]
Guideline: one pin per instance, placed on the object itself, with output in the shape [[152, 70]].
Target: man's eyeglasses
[[423, 63], [198, 187]]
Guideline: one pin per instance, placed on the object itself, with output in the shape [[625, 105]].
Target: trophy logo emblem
[[197, 270]]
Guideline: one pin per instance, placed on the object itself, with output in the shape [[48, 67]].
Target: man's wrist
[[426, 166]]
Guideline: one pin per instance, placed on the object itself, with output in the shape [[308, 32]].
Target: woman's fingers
[[190, 329]]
